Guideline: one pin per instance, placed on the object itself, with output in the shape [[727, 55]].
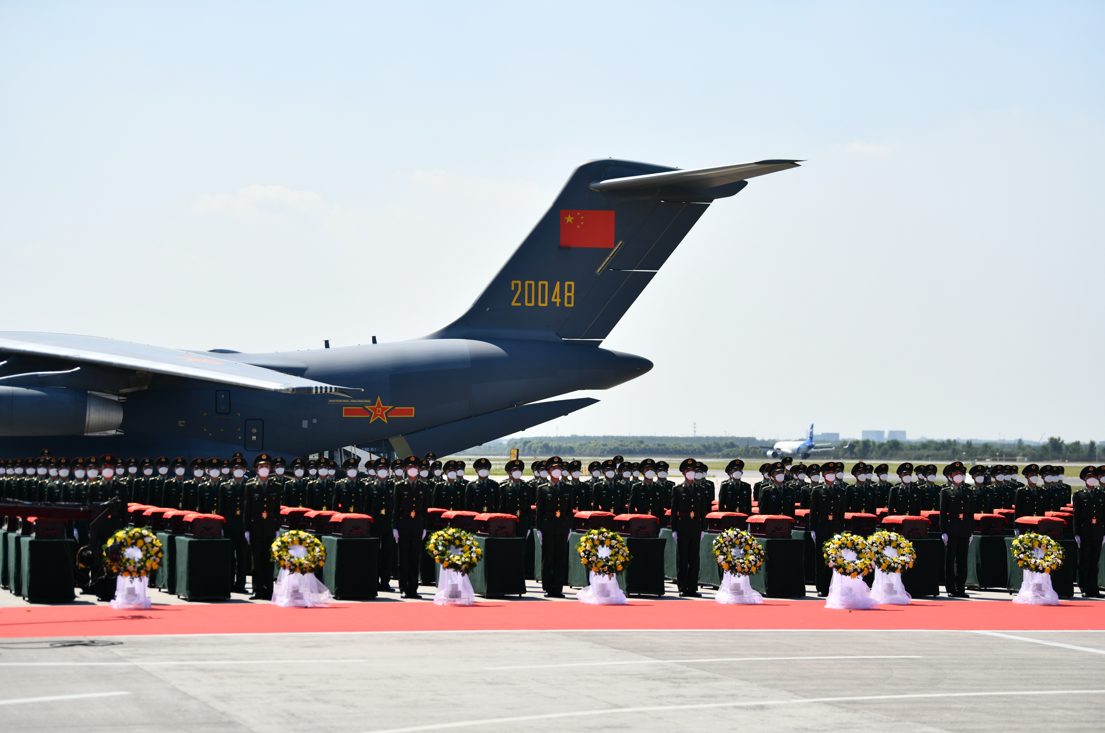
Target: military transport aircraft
[[532, 335]]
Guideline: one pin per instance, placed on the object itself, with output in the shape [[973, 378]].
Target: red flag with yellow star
[[587, 229]]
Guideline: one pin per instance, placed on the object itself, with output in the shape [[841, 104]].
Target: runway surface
[[563, 680]]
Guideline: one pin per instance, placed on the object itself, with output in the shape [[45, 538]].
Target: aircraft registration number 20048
[[543, 293]]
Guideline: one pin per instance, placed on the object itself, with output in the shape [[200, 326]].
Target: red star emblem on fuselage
[[379, 411]]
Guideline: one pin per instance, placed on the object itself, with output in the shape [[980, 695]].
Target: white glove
[[395, 534], [970, 540], [1078, 541], [423, 534], [528, 531], [701, 536], [539, 536], [945, 538], [675, 536], [814, 536], [76, 536], [247, 538]]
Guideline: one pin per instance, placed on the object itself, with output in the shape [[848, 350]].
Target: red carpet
[[98, 621]]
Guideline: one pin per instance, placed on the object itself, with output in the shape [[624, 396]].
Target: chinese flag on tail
[[587, 229]]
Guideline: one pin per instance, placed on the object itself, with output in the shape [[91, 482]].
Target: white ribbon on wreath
[[737, 589], [130, 593], [299, 590], [1036, 588], [888, 588], [454, 588], [846, 592], [602, 590]]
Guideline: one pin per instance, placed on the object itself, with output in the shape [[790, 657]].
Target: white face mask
[[437, 473], [556, 473], [979, 479], [279, 470], [163, 470], [451, 475], [147, 472], [803, 476], [239, 473], [298, 473], [424, 473], [698, 475], [460, 473], [1033, 479], [596, 474], [906, 478], [53, 473], [609, 474], [958, 478], [662, 474], [225, 470], [132, 470], [737, 475], [830, 478], [19, 472], [1091, 481], [516, 475], [412, 473], [109, 472], [932, 478], [41, 470], [544, 473], [650, 475], [779, 478], [312, 472], [627, 475], [483, 473], [64, 473], [689, 476], [197, 473], [351, 472], [575, 475], [262, 472], [382, 474], [215, 474], [179, 470], [79, 473], [815, 477], [839, 475]]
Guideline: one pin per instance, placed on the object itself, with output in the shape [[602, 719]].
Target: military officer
[[482, 495], [514, 497], [320, 490], [982, 494], [411, 499], [882, 485], [860, 496], [171, 485], [262, 517], [554, 524], [437, 475], [735, 495], [208, 489], [581, 490], [231, 503], [1031, 500], [826, 519], [905, 496], [624, 487], [666, 484], [595, 469], [772, 498], [461, 468], [957, 522], [762, 483], [930, 491], [1005, 488], [448, 494], [688, 522], [647, 496], [1060, 494], [606, 494], [1089, 530], [294, 489], [379, 500], [540, 475], [349, 491]]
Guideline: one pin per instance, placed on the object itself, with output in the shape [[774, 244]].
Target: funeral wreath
[[133, 552], [1037, 553], [738, 553], [604, 552], [298, 552], [841, 543], [454, 549], [902, 557]]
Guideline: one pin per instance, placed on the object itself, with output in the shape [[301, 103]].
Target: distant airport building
[[826, 438], [877, 436], [895, 435]]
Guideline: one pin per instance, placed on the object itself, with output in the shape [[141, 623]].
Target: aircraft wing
[[78, 350], [697, 178]]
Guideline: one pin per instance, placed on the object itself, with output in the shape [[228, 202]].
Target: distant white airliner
[[799, 448]]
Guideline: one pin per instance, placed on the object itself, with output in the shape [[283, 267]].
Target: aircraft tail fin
[[810, 436], [605, 237]]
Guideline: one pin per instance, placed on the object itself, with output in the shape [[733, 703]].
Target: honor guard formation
[[399, 496]]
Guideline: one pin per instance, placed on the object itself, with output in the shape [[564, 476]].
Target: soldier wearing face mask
[[262, 516], [882, 485], [349, 490], [171, 484], [861, 494], [448, 494], [1089, 530], [688, 516], [140, 483], [931, 495], [411, 500], [190, 491], [320, 490], [514, 497], [437, 475], [554, 523], [735, 495], [771, 495], [294, 489], [1004, 491], [1030, 500], [826, 519], [482, 495], [763, 483], [982, 494], [208, 489], [813, 471], [461, 467], [1059, 497], [582, 490], [666, 485], [605, 494], [51, 489], [230, 506], [957, 521], [647, 496], [279, 476], [905, 497], [379, 498]]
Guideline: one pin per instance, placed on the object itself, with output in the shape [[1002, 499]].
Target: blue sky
[[263, 176]]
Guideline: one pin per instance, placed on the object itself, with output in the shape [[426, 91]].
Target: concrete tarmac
[[665, 680]]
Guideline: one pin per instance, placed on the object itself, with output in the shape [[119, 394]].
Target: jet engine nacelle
[[35, 411], [772, 454]]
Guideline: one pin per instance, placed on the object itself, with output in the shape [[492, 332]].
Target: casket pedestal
[[46, 570], [350, 571], [165, 579], [201, 568], [987, 564], [645, 574], [782, 575], [927, 573], [502, 569]]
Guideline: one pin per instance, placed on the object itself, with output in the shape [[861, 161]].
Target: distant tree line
[[1055, 449]]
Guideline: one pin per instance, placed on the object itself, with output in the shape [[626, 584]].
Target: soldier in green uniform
[[230, 506], [140, 484], [294, 490], [1005, 492], [349, 491], [604, 494], [930, 491], [1089, 530], [1030, 499], [190, 487], [905, 496], [772, 499], [437, 475], [461, 467], [813, 473], [514, 497], [624, 487], [410, 501], [320, 490], [666, 484], [982, 494], [582, 490], [448, 494], [1061, 493], [647, 496], [882, 485], [826, 519], [100, 490], [688, 517], [262, 517], [540, 475], [171, 486], [378, 504], [957, 520], [735, 495], [860, 496], [482, 495], [207, 490], [554, 524]]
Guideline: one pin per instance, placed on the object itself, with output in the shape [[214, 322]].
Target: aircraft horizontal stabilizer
[[77, 350], [457, 436], [696, 179]]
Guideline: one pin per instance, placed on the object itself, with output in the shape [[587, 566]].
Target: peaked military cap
[[977, 469], [261, 460], [904, 468], [734, 465], [647, 464], [1031, 469], [881, 469], [240, 462], [481, 463], [515, 464], [431, 456], [1086, 472], [349, 463], [108, 460], [178, 461], [608, 464], [812, 469], [662, 465], [162, 461], [551, 459], [594, 466], [575, 465], [278, 461], [786, 460], [618, 460], [687, 463]]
